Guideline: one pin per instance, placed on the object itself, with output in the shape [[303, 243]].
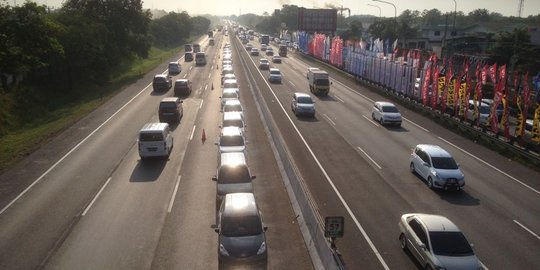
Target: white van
[[155, 140], [200, 58]]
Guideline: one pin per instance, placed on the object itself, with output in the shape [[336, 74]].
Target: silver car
[[437, 167], [386, 113], [303, 104], [436, 242]]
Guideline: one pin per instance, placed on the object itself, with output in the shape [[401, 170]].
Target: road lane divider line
[[71, 151], [327, 177], [185, 75], [371, 120], [376, 164], [338, 98], [174, 193], [95, 197], [209, 75], [206, 87], [418, 126], [330, 120], [292, 83], [202, 101], [527, 229], [491, 166], [192, 132]]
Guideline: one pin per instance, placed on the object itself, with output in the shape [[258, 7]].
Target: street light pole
[[454, 25], [376, 7], [395, 12]]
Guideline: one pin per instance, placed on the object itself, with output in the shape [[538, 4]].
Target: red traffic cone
[[203, 137]]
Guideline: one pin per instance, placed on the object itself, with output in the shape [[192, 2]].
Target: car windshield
[[230, 95], [233, 175], [274, 72], [230, 85], [446, 163], [231, 141], [484, 109], [389, 109], [322, 82], [232, 108], [241, 226], [150, 137], [450, 244], [305, 100]]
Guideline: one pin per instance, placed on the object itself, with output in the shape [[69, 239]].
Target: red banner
[[499, 90], [435, 87], [425, 84], [480, 80]]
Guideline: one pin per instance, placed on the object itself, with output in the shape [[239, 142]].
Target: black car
[[161, 82], [170, 110], [188, 56]]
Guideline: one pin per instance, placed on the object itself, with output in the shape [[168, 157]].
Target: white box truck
[[319, 81]]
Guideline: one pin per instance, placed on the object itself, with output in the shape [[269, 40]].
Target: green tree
[[199, 25], [382, 29], [28, 40], [432, 17], [171, 30], [289, 16], [515, 50]]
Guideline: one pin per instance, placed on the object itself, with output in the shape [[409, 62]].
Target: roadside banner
[[499, 90], [435, 87], [523, 107]]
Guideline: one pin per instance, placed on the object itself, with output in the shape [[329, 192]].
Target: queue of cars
[[239, 225]]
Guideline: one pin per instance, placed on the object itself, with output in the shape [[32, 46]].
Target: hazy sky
[[229, 7]]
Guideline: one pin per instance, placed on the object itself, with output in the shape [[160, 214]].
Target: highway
[[86, 201]]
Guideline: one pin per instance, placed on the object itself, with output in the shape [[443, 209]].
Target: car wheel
[[403, 241], [373, 116], [411, 167], [428, 267], [430, 182]]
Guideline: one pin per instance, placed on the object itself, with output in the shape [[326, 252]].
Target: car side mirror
[[253, 177], [265, 228], [216, 143], [214, 178], [181, 101], [422, 245], [216, 230], [219, 126], [426, 164], [331, 83]]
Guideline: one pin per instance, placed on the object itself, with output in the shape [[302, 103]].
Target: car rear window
[[233, 175], [232, 108], [389, 109], [305, 100], [151, 137], [230, 85], [167, 105], [233, 123], [160, 79], [230, 95]]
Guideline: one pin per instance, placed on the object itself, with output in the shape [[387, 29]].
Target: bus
[[265, 39]]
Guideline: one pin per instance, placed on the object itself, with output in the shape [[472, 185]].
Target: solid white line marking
[[371, 120], [292, 83], [376, 164], [527, 229], [418, 126], [206, 87], [491, 166], [71, 151], [209, 75], [192, 132], [174, 194], [190, 68], [330, 120], [338, 98], [202, 101], [95, 198], [185, 75]]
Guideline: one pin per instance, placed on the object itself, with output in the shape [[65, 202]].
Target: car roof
[[153, 127], [232, 101], [182, 80], [240, 204], [174, 63], [274, 69], [434, 150], [232, 158], [232, 116], [160, 76], [230, 81], [436, 223], [300, 94], [170, 99], [230, 90], [385, 103], [231, 131]]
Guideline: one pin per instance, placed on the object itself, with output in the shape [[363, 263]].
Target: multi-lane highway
[[85, 200]]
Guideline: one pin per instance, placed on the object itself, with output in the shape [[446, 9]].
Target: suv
[[241, 230], [303, 104], [161, 82], [386, 113], [170, 109], [437, 167], [182, 87], [174, 68], [188, 56]]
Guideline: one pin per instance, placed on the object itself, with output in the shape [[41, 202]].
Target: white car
[[386, 113], [274, 76], [437, 167], [436, 242], [229, 94]]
